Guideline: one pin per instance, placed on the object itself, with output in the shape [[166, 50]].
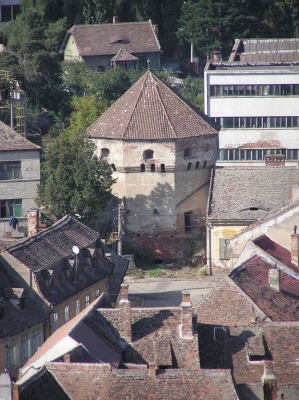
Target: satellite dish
[[75, 249]]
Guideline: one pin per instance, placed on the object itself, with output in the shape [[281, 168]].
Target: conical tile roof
[[151, 110]]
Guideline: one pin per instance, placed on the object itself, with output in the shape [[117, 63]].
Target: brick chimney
[[33, 222], [115, 19], [15, 392], [125, 314], [274, 279], [294, 248], [67, 358], [269, 382], [186, 328], [152, 369]]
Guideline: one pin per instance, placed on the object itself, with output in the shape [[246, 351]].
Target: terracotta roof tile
[[150, 110], [106, 39], [10, 140]]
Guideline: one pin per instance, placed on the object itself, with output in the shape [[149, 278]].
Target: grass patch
[[136, 273], [203, 272], [155, 272]]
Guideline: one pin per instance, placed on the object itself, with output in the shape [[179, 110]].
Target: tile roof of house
[[52, 245], [250, 193], [14, 319], [106, 39], [277, 251], [81, 381], [86, 334], [123, 55], [253, 277], [117, 276], [10, 140], [150, 110]]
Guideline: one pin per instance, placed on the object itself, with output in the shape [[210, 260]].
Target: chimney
[[67, 358], [33, 222], [152, 369], [186, 328], [115, 19], [269, 381], [15, 392], [125, 314], [274, 279], [294, 247]]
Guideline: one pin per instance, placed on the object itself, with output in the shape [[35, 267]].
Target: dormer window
[[148, 155], [105, 152]]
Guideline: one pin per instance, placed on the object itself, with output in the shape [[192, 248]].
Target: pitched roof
[[253, 277], [10, 140], [88, 331], [81, 380], [150, 110], [250, 193], [53, 244], [106, 39], [276, 250], [123, 55], [117, 276], [14, 319]]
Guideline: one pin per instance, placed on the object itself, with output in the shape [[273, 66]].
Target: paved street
[[161, 292]]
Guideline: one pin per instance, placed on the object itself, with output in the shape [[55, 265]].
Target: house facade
[[96, 45], [161, 150], [254, 97], [19, 178]]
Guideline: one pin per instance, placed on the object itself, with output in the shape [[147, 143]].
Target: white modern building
[[255, 98]]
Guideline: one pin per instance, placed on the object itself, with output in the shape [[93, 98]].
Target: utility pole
[[119, 229]]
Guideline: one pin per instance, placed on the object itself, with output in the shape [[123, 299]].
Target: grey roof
[[10, 140], [150, 110], [106, 39], [250, 193], [116, 278], [54, 244]]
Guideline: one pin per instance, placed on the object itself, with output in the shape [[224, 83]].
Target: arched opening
[[142, 167], [163, 169], [197, 165], [189, 166], [148, 154]]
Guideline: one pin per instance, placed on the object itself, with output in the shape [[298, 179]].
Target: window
[[25, 349], [197, 165], [105, 152], [143, 61], [224, 249], [55, 320], [188, 152], [163, 169], [254, 90], [11, 356], [66, 313], [77, 307], [204, 164], [188, 222], [101, 68], [36, 342], [9, 208], [142, 168], [153, 168], [87, 300], [189, 166], [148, 154], [10, 170], [97, 292]]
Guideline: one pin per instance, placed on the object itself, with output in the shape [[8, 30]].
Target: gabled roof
[[275, 250], [44, 250], [150, 110], [106, 39], [86, 331], [81, 381], [250, 193], [10, 140], [123, 55]]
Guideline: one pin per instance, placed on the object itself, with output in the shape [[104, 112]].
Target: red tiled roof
[[150, 110], [276, 250], [10, 140], [106, 39], [252, 278], [123, 55]]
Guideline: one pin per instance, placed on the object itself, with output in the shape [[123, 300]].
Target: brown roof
[[123, 55], [150, 110], [93, 381], [106, 39], [10, 140]]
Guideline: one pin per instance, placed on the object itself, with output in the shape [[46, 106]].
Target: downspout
[[210, 249]]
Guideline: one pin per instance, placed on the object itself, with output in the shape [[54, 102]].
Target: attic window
[[51, 283], [148, 154]]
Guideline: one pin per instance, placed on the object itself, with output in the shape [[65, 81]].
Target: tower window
[[163, 169], [197, 165], [189, 166], [148, 154], [142, 168], [153, 168], [204, 164], [188, 222], [188, 152], [105, 152]]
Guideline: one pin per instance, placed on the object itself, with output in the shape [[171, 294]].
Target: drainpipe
[[210, 248]]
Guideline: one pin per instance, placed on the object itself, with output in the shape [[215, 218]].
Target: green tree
[[78, 77], [111, 85], [73, 179]]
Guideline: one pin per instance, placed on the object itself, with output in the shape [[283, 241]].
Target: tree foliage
[[73, 179]]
